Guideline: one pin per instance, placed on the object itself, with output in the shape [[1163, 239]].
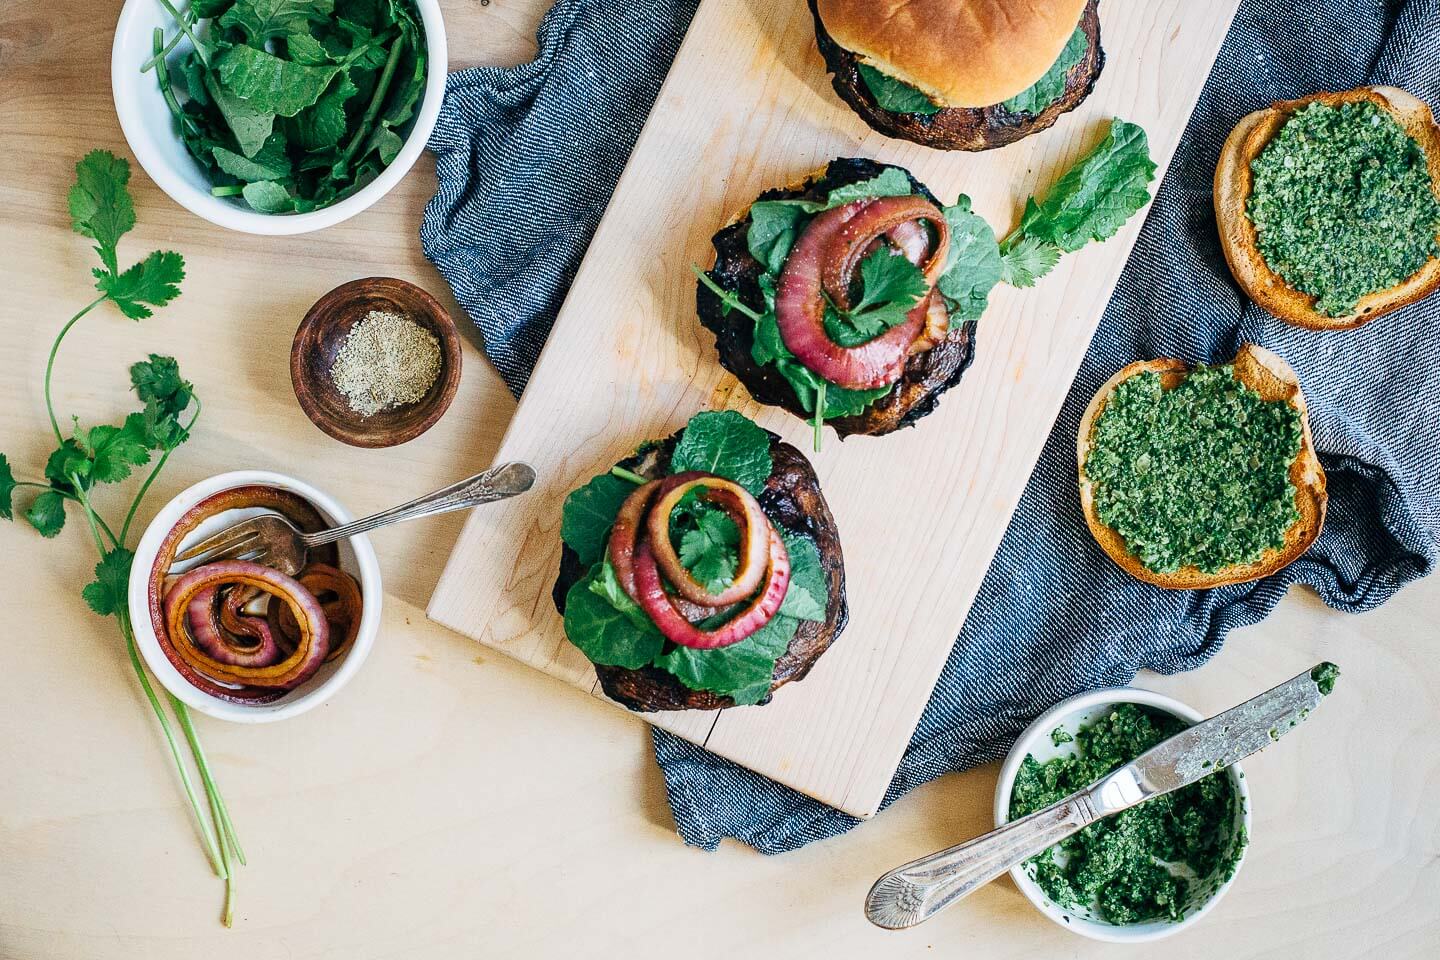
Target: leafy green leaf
[[896, 96], [973, 267], [809, 592], [1027, 261], [304, 48], [270, 162], [605, 583], [250, 125], [267, 196], [708, 543], [890, 182], [106, 593], [47, 513], [1051, 86], [7, 489], [100, 204], [205, 9], [605, 634], [158, 380], [322, 126], [774, 227], [727, 444], [114, 450], [153, 282], [741, 670], [68, 463], [888, 277], [1097, 195], [386, 143], [264, 19], [269, 84], [589, 513]]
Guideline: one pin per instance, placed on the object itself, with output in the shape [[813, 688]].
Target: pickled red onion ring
[[748, 516], [216, 621]]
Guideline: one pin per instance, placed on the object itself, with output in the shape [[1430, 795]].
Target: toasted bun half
[[1234, 181], [1272, 378], [961, 53]]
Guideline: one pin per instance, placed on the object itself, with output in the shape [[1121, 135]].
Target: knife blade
[[918, 890]]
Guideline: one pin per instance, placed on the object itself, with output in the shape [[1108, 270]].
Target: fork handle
[[922, 888], [497, 483]]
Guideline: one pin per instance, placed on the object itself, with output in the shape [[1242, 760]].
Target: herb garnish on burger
[[852, 297], [960, 74], [702, 572]]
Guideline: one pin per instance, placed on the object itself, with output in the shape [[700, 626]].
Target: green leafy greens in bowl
[[292, 105]]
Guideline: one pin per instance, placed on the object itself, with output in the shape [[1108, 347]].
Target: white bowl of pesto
[[1132, 895], [152, 130]]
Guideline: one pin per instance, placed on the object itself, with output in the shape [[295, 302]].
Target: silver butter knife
[[922, 888]]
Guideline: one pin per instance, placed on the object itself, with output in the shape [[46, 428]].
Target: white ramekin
[[150, 131], [357, 557], [1070, 714]]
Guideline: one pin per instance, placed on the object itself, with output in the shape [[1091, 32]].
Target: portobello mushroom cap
[[794, 504], [927, 375], [961, 128]]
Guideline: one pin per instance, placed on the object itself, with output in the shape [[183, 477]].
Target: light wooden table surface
[[451, 802]]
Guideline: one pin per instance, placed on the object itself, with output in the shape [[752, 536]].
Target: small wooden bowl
[[321, 335]]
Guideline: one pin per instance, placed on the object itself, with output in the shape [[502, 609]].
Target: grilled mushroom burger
[[702, 572], [960, 74], [850, 297]]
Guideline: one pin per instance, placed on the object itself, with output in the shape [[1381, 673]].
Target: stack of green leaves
[[611, 629], [1090, 202], [294, 104]]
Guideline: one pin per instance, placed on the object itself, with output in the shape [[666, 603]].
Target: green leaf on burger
[[896, 96], [741, 671], [808, 592], [727, 444], [605, 634], [1051, 86], [589, 513], [973, 266]]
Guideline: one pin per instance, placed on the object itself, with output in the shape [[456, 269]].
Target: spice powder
[[386, 361]]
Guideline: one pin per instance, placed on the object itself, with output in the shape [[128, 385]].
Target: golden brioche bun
[[1234, 181], [1272, 378], [960, 53]]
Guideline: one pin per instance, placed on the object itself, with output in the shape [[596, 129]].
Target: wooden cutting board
[[747, 106]]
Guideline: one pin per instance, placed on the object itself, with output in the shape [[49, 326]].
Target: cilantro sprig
[[87, 458]]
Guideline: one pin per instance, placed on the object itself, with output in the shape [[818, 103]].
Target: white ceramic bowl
[[1071, 714], [357, 557], [149, 128]]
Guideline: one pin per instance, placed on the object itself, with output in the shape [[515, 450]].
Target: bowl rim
[[447, 381], [1041, 727], [125, 71], [137, 600]]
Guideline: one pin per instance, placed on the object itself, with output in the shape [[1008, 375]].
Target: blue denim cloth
[[1054, 616]]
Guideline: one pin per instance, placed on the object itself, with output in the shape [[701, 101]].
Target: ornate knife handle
[[922, 888]]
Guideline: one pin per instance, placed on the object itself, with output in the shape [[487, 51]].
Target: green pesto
[[1120, 867], [1325, 675], [1196, 475], [1343, 204]]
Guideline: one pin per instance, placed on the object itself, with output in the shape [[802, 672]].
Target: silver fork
[[275, 542]]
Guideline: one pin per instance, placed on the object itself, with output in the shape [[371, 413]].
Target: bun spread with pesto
[[1328, 208], [1150, 862], [960, 74], [1196, 477], [704, 571], [852, 296]]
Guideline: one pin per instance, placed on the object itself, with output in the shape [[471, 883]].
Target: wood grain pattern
[[628, 360]]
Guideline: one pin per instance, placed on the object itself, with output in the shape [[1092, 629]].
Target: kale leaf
[[727, 444], [1051, 86], [896, 96], [589, 513]]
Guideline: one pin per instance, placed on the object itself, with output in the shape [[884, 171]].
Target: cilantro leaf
[[153, 282], [106, 593], [1027, 261], [741, 670], [7, 489], [1051, 86], [973, 267], [888, 277], [47, 513], [100, 204], [1097, 195], [896, 96], [727, 444], [605, 634], [158, 379], [114, 450], [589, 513], [68, 460], [708, 545]]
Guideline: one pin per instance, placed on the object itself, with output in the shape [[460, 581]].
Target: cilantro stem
[[630, 475], [150, 478], [50, 363], [217, 810], [184, 25], [819, 416], [727, 297]]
